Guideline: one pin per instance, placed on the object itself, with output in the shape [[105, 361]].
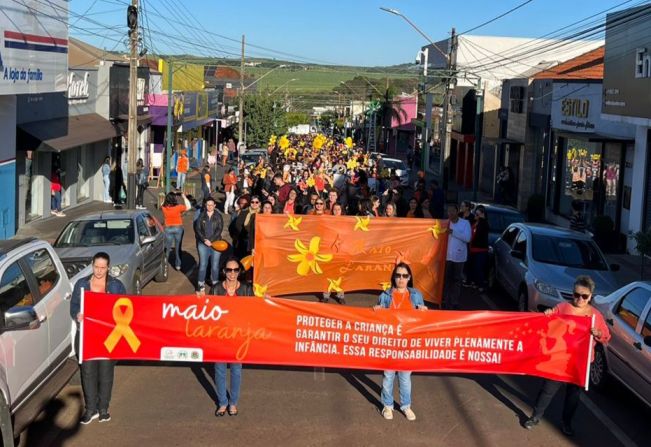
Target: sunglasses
[[401, 275], [583, 296], [255, 201], [320, 203], [230, 270]]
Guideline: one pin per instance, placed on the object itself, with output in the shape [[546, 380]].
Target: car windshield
[[87, 233], [567, 252], [498, 221], [391, 164]]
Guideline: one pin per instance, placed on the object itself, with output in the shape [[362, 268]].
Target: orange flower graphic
[[308, 258]]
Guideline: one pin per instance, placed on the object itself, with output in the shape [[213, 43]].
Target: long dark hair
[[239, 265], [405, 266], [170, 199]]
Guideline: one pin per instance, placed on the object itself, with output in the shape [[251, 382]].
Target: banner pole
[[81, 328], [590, 349]]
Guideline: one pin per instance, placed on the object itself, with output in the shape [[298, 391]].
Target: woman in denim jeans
[[106, 176], [172, 214], [401, 296], [231, 286]]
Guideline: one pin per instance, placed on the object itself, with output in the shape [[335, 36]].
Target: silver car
[[627, 357], [134, 240], [399, 167], [537, 264]]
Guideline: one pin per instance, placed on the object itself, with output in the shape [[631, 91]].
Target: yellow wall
[[186, 77]]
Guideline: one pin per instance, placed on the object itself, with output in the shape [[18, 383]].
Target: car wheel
[[137, 283], [523, 300], [599, 368], [163, 271]]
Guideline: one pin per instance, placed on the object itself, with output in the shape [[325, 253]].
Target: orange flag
[[304, 254]]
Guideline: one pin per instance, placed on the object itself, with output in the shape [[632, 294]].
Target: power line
[[496, 18]]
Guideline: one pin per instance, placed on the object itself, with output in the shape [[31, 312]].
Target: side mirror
[[647, 340], [614, 267], [517, 254], [21, 318], [144, 240]]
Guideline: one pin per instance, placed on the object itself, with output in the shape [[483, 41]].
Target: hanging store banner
[[288, 332], [303, 254]]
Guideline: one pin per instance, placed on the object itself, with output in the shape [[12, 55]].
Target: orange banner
[[305, 254], [289, 332]]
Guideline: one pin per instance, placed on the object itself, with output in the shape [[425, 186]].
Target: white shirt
[[458, 241]]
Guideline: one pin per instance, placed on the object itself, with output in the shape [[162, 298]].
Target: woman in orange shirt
[[401, 296], [230, 181], [173, 220]]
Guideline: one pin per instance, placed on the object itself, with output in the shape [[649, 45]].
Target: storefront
[[627, 93], [61, 133], [589, 158]]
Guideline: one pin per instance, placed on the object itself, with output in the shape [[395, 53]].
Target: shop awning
[[593, 136], [65, 133], [194, 124], [123, 123]]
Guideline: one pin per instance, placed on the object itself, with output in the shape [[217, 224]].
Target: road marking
[[603, 418]]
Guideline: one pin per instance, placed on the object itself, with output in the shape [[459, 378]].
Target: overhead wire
[[496, 18]]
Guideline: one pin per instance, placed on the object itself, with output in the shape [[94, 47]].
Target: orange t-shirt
[[401, 300], [230, 180], [182, 165], [172, 215]]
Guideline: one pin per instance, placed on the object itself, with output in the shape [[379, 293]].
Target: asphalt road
[[173, 404]]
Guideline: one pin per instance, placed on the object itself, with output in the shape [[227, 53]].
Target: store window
[[582, 169], [610, 186]]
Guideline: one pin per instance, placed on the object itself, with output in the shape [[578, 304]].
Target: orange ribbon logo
[[122, 320]]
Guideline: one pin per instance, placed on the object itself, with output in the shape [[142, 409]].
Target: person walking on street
[[173, 223], [581, 305], [208, 229], [96, 375], [55, 188], [479, 250], [230, 184], [459, 234], [233, 285], [141, 183], [106, 178], [182, 166], [206, 182], [231, 149], [577, 220], [401, 296]]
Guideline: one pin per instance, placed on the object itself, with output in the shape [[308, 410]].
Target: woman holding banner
[[401, 296], [581, 305], [231, 286], [96, 375]]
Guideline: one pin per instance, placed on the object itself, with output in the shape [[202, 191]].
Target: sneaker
[[178, 267], [409, 414], [88, 417], [531, 423], [61, 214], [387, 413], [104, 416], [567, 430], [53, 212]]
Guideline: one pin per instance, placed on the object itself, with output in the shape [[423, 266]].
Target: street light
[[413, 25], [291, 80], [263, 76]]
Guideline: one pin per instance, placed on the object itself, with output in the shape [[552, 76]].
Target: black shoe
[[567, 430], [104, 416], [88, 417], [531, 423]]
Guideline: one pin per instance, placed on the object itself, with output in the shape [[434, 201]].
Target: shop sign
[[213, 104], [576, 106], [34, 54], [189, 106], [78, 88]]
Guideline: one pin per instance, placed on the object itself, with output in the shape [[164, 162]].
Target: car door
[[146, 250], [518, 266], [24, 352], [53, 291], [503, 258], [626, 347], [645, 356], [158, 246]]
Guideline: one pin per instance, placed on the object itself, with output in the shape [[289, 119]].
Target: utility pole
[[132, 133], [240, 129], [170, 117], [447, 109], [479, 127]]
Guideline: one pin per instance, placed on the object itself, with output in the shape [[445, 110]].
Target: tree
[[295, 118], [263, 117]]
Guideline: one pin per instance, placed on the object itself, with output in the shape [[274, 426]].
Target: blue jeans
[[107, 186], [55, 203], [224, 399], [174, 236], [207, 254], [180, 180], [404, 383]]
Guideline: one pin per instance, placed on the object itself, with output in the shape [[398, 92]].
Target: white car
[[627, 357], [399, 167]]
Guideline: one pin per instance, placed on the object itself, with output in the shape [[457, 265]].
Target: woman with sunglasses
[[581, 305], [231, 286], [319, 208], [400, 296]]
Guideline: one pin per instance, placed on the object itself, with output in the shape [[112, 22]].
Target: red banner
[[289, 332]]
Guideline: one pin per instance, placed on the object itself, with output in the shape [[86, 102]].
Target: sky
[[341, 32]]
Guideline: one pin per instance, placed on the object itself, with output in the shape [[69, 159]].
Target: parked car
[[35, 336], [627, 357], [399, 167], [537, 264], [134, 240], [252, 156], [499, 217]]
